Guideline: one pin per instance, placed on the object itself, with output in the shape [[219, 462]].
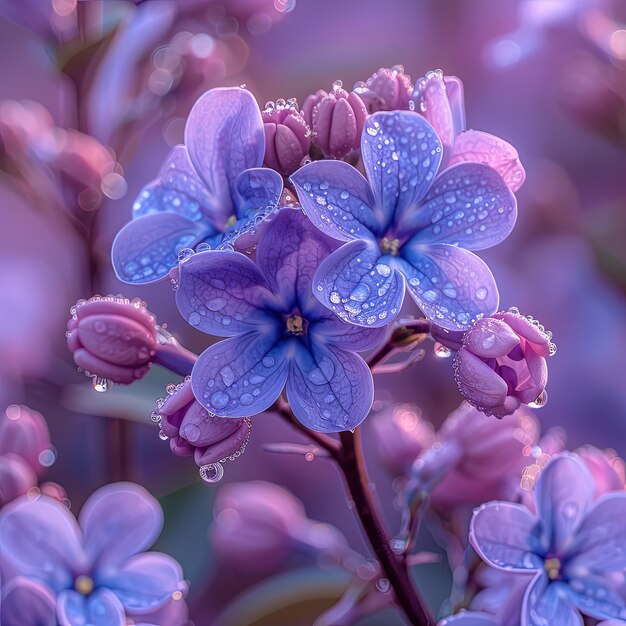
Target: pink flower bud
[[388, 89], [54, 490], [338, 121], [24, 432], [193, 430], [401, 435], [502, 363], [112, 338], [16, 478], [606, 468], [255, 523], [309, 105], [287, 139]]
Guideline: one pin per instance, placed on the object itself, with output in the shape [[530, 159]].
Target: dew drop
[[541, 400], [195, 318], [100, 384], [219, 399], [190, 432], [441, 351], [212, 473], [481, 293]]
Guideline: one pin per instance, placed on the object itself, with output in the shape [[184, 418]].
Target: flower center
[[390, 246], [231, 221], [83, 584], [296, 325], [553, 568]]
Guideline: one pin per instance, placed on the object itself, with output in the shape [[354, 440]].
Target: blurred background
[[94, 94]]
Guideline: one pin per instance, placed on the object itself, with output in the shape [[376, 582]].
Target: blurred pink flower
[[17, 477], [287, 138], [606, 469], [112, 338]]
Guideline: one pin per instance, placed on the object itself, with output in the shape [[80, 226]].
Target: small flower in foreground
[[258, 524], [502, 363], [572, 545], [112, 338], [24, 432], [404, 225], [287, 138], [194, 431], [475, 459], [209, 190], [337, 122], [279, 334], [90, 572], [439, 99], [388, 89]]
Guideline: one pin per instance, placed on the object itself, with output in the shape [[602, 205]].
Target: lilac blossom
[[210, 190], [439, 99], [278, 333], [572, 546], [287, 137], [406, 226], [388, 89], [94, 571]]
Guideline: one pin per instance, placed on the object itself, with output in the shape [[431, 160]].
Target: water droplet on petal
[[212, 473], [100, 384]]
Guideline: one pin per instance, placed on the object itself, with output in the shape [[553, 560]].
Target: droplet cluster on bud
[[388, 89]]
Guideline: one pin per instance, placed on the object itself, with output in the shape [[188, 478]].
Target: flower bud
[[24, 432], [502, 363], [112, 338], [309, 105], [287, 139], [401, 435], [255, 523], [16, 478], [194, 431], [338, 121], [388, 89]]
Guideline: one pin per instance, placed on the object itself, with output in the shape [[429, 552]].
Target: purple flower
[[572, 545], [388, 89], [287, 138], [279, 334], [90, 572], [502, 363], [211, 189], [439, 99], [112, 338], [194, 431], [406, 226]]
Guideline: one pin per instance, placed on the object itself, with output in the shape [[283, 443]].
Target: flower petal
[[600, 543], [222, 293], [359, 285], [503, 535], [119, 520], [451, 285], [480, 147], [145, 582], [147, 248], [26, 602], [469, 206], [288, 254], [597, 597], [337, 199], [353, 338], [178, 189], [257, 189], [101, 608], [478, 382], [224, 135], [548, 603], [40, 538], [329, 389], [401, 154], [563, 495], [470, 618], [240, 376]]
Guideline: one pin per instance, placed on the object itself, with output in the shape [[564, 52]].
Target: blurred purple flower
[[287, 138], [93, 572], [502, 363], [470, 618], [401, 435], [258, 524], [572, 546], [474, 458], [606, 469], [406, 225], [24, 432], [194, 431], [388, 89], [17, 478], [211, 190], [279, 334], [337, 122], [112, 338], [439, 99]]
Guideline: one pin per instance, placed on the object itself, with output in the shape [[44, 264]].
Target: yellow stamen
[[553, 568], [83, 584], [295, 325], [390, 246]]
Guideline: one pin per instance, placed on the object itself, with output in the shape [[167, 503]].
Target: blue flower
[[406, 225], [212, 189], [572, 545], [279, 334]]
